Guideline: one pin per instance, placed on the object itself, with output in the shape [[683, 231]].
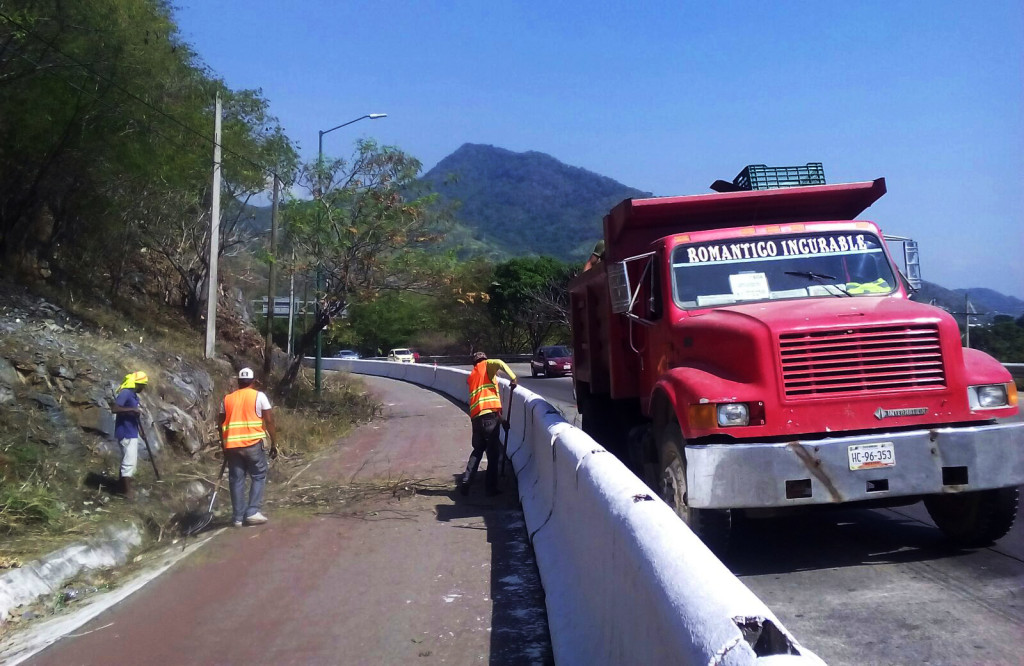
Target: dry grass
[[308, 426]]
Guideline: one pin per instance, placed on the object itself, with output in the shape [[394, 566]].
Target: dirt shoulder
[[414, 572]]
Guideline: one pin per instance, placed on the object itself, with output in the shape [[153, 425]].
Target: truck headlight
[[552, 363], [988, 396], [710, 415], [733, 414]]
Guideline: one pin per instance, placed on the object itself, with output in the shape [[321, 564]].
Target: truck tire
[[976, 518], [712, 526]]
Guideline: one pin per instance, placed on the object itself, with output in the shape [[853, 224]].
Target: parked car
[[347, 353], [552, 361], [401, 356]]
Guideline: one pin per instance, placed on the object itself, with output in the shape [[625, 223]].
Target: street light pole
[[318, 374]]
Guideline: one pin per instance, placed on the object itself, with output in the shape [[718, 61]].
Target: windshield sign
[[811, 265]]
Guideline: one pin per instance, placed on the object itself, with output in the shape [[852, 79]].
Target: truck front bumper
[[928, 462]]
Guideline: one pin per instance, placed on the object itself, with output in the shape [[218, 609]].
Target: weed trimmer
[[506, 424], [194, 522], [150, 452]]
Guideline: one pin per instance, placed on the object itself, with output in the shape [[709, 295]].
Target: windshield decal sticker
[[749, 286]]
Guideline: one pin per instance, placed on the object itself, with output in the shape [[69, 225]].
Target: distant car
[[347, 353], [552, 361], [401, 356]]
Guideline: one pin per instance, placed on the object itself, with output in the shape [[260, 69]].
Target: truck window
[[650, 294], [811, 265]]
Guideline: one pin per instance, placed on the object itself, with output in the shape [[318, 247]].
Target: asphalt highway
[[877, 586]]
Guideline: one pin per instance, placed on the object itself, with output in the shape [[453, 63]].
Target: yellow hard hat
[[133, 379]]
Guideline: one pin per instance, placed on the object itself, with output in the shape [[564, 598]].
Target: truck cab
[[756, 351]]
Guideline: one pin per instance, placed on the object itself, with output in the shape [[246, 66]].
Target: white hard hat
[[245, 373]]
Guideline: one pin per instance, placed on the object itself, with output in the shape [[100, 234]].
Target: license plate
[[871, 456], [567, 367]]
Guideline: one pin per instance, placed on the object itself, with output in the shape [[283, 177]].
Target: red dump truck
[[758, 349]]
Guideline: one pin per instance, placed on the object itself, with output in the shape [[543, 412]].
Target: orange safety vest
[[483, 393], [242, 426]]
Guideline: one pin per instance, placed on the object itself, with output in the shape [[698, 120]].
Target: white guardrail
[[625, 581]]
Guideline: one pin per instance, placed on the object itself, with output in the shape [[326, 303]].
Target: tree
[[392, 320], [528, 301], [105, 146], [176, 224], [365, 233], [1004, 339]]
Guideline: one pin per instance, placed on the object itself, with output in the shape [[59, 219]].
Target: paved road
[[431, 578], [876, 586]]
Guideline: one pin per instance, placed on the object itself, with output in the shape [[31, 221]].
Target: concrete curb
[[23, 646], [46, 575], [625, 581]]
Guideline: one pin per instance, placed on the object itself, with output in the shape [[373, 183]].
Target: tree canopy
[[365, 233], [106, 142]]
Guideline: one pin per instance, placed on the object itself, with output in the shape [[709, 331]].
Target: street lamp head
[[375, 116]]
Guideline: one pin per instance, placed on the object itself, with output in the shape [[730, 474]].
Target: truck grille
[[853, 361]]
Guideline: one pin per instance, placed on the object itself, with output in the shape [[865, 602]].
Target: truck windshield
[[811, 265]]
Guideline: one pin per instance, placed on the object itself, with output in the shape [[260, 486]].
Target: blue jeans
[[244, 460]]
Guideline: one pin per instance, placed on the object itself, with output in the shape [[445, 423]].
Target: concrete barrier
[[625, 581]]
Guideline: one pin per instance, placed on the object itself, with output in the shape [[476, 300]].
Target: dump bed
[[634, 224]]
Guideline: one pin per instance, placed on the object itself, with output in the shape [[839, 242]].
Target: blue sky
[[669, 96]]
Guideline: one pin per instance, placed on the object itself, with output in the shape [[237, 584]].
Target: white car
[[401, 356]]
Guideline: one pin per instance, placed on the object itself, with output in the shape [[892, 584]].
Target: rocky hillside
[[68, 371], [59, 371]]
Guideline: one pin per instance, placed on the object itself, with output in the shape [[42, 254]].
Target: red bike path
[[429, 578]]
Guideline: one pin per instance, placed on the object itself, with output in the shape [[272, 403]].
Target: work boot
[[467, 476], [126, 488]]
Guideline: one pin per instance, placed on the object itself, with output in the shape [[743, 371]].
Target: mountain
[[525, 203], [987, 303]]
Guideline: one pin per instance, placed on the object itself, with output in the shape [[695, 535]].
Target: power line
[[124, 90]]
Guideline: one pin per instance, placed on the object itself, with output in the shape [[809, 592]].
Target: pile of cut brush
[[333, 498]]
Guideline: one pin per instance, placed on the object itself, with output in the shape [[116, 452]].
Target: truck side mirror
[[618, 287], [913, 263]]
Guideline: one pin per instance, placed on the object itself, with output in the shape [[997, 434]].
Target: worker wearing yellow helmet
[[126, 410]]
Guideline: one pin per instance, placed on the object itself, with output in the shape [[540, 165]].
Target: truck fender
[[682, 386], [980, 368]]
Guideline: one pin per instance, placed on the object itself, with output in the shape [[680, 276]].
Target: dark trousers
[[486, 438]]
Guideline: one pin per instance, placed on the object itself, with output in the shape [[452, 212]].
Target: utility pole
[[272, 287], [967, 320], [211, 297], [291, 303]]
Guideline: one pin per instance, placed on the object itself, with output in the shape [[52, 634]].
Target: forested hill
[[985, 302], [523, 203]]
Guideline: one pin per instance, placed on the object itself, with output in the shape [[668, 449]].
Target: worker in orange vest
[[246, 419], [485, 417]]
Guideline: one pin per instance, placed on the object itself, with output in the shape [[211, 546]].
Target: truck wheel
[[712, 526], [977, 518], [533, 371]]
